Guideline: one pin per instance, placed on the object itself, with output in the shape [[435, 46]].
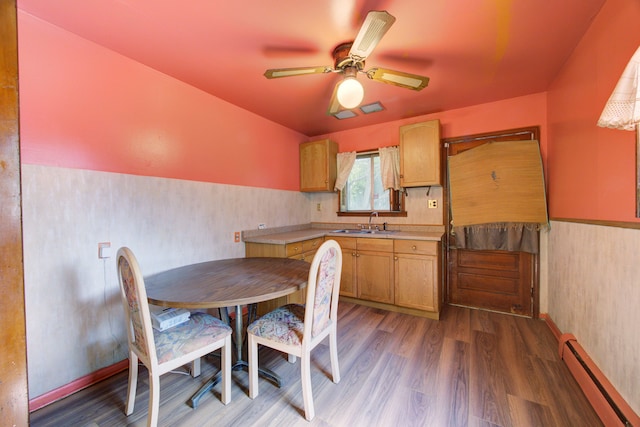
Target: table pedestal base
[[240, 364]]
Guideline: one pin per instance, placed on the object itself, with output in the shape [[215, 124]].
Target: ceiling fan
[[349, 59]]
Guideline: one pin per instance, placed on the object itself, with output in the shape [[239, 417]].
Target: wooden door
[[14, 398], [496, 280]]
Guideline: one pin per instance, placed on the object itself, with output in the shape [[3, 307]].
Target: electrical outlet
[[236, 237], [433, 204], [104, 250], [262, 226], [319, 207]]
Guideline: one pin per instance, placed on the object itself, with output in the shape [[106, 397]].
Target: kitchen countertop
[[297, 235]]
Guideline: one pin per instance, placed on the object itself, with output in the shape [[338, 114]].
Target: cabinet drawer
[[345, 242], [305, 256], [294, 249], [312, 245], [303, 246], [422, 247], [382, 245]]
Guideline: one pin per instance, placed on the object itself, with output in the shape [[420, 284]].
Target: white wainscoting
[[75, 321], [594, 293]]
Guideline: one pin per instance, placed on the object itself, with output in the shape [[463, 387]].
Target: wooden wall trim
[[552, 326], [14, 393], [77, 385], [618, 224]]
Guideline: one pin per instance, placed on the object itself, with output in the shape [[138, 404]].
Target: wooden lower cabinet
[[348, 281], [374, 270], [399, 275], [417, 274], [304, 250]]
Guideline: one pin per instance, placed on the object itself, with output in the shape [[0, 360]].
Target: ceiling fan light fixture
[[350, 92]]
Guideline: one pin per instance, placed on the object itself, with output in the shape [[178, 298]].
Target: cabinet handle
[[414, 247], [353, 254], [395, 258]]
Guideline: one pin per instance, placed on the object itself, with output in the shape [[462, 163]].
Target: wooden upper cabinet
[[420, 154], [318, 167]]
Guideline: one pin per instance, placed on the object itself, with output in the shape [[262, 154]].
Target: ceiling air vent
[[372, 108]]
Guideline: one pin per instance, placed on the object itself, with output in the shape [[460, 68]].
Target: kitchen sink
[[364, 231]]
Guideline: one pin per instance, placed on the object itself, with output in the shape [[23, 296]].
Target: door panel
[[496, 280]]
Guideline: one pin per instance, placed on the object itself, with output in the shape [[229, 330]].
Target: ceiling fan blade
[[334, 105], [275, 73], [398, 78], [374, 27]]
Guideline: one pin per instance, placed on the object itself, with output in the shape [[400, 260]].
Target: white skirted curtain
[[622, 110], [345, 163], [390, 167]]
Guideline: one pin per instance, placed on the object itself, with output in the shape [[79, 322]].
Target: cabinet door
[[318, 167], [416, 277], [375, 276], [348, 280], [420, 154]]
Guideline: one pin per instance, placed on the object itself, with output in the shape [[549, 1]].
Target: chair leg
[[291, 358], [307, 394], [253, 367], [154, 400], [195, 368], [225, 365], [333, 349], [133, 383]]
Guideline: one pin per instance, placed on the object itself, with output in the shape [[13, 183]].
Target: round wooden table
[[227, 283]]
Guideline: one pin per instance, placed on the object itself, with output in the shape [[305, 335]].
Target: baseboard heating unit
[[612, 409]]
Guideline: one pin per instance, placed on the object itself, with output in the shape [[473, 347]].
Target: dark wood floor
[[471, 368]]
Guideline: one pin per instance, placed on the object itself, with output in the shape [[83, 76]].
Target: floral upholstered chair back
[[325, 272], [134, 298]]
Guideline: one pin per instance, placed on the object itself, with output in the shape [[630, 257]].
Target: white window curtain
[[390, 167], [345, 163], [622, 110]]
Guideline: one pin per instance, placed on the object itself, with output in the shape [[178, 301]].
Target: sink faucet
[[371, 216]]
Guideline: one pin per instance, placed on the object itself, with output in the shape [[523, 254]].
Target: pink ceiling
[[473, 51]]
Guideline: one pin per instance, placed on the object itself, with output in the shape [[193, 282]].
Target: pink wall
[[82, 106], [500, 115], [591, 170]]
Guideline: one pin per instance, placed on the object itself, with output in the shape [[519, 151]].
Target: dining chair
[[296, 329], [164, 351]]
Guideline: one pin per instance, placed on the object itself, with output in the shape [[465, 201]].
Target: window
[[363, 192]]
